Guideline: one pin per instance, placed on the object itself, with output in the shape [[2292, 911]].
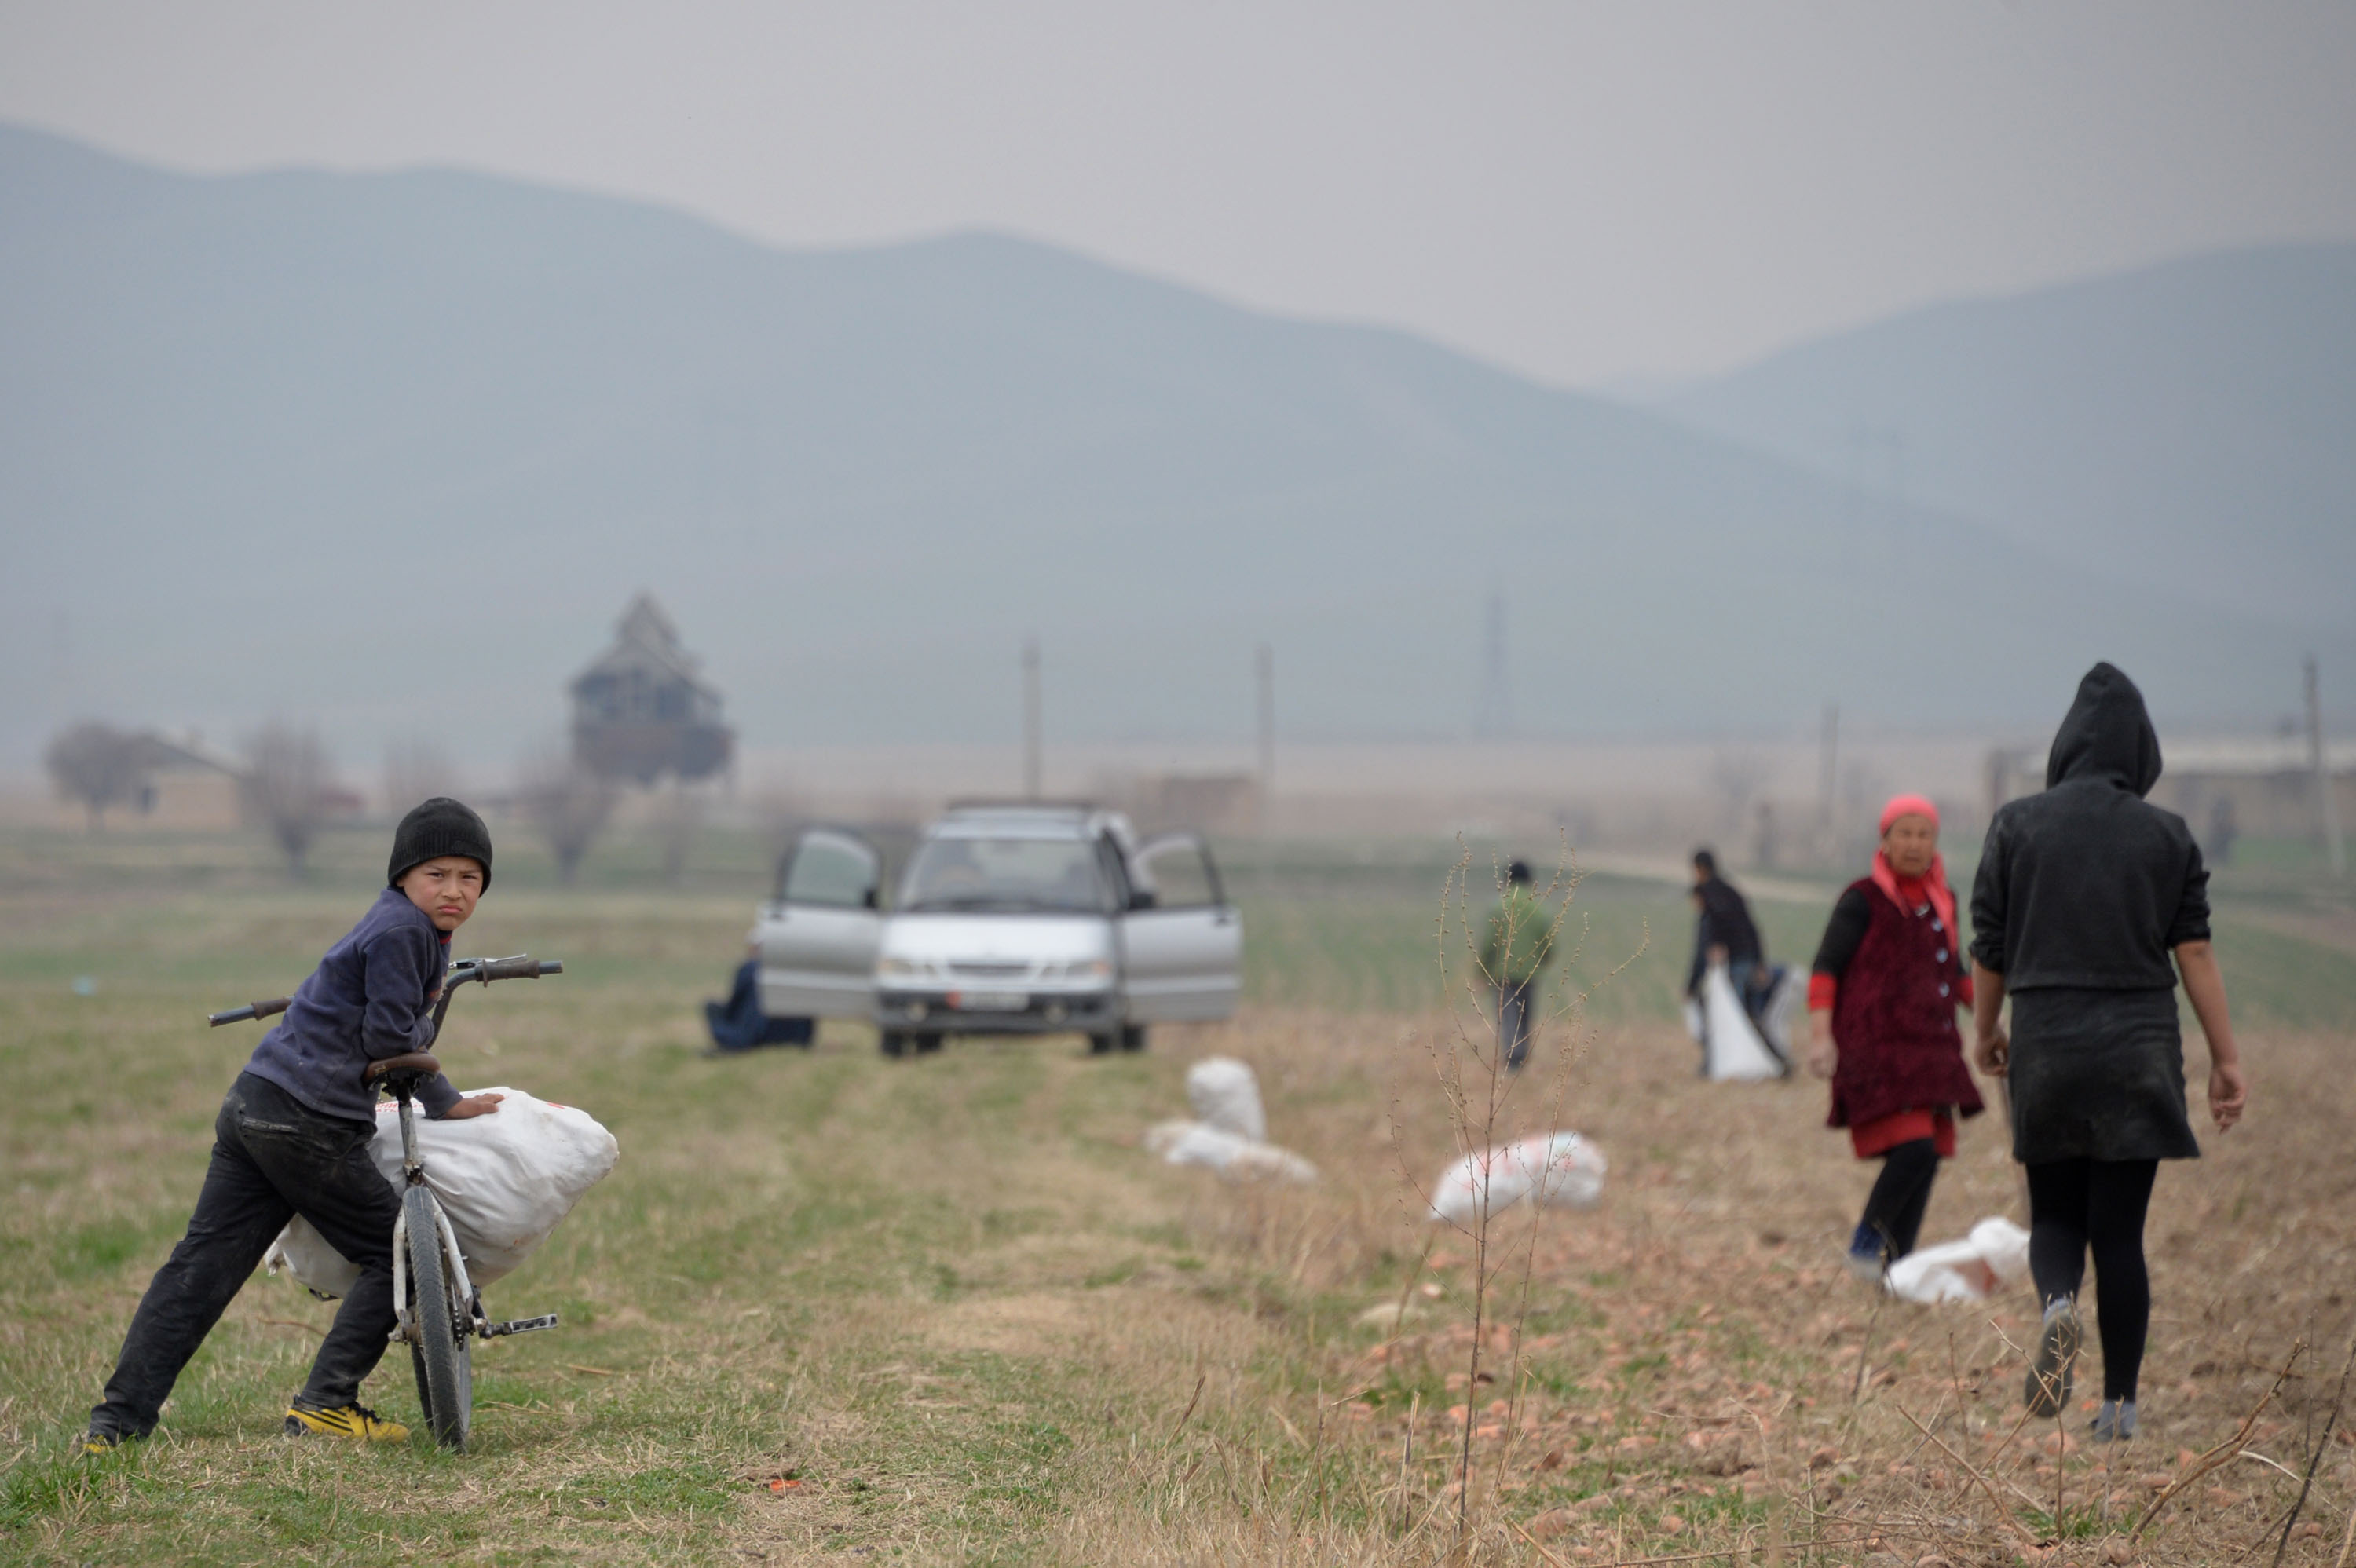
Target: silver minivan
[[1009, 919]]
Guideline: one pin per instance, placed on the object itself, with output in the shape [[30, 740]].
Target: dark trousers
[[1900, 1194], [273, 1157], [1514, 1022], [2098, 1205]]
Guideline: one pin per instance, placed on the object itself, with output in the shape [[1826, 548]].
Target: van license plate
[[989, 1001]]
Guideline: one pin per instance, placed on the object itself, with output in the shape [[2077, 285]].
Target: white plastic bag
[[1775, 1018], [504, 1179], [1557, 1170], [1226, 1095], [1993, 1258], [1736, 1054], [1235, 1157]]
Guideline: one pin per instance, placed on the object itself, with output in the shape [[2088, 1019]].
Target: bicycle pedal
[[518, 1326]]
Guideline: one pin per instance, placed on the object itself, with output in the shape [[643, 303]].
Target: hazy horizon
[[1593, 196]]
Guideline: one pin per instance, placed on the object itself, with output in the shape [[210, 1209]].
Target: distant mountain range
[[2188, 427], [390, 452]]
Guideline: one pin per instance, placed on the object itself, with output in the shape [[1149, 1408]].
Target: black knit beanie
[[435, 828]]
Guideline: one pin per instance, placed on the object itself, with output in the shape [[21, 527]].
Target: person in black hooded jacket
[[2084, 894]]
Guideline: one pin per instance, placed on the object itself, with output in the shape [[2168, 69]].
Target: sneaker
[[94, 1442], [346, 1421], [2046, 1390], [1866, 1258], [2115, 1422]]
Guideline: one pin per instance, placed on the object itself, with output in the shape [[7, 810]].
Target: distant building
[[641, 710], [2224, 789]]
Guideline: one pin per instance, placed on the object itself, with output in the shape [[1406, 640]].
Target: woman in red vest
[[1888, 978]]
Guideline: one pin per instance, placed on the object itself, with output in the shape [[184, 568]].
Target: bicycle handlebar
[[250, 1010], [522, 967]]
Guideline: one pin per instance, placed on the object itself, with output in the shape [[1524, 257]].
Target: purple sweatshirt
[[371, 997]]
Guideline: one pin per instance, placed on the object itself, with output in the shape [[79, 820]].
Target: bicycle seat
[[417, 1061]]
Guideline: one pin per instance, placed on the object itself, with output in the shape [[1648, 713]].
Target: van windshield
[[1047, 875]]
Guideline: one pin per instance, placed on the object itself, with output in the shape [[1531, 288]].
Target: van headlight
[[1078, 969], [902, 969]]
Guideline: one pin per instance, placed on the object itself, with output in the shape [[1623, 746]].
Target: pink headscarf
[[1934, 880]]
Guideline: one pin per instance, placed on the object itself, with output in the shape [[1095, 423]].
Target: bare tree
[[416, 770], [98, 766], [680, 820], [569, 805], [1736, 777], [287, 786]]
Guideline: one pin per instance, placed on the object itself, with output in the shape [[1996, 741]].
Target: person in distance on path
[[1881, 1004], [1520, 943], [2083, 895], [292, 1138]]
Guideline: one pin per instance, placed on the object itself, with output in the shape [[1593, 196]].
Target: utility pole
[[1495, 717], [1827, 774], [1264, 668], [2327, 798], [1032, 768]]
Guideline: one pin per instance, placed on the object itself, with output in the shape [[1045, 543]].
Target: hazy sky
[[1590, 193]]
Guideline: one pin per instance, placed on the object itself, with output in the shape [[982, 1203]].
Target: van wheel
[[927, 1044], [1101, 1044], [894, 1042], [1132, 1037]]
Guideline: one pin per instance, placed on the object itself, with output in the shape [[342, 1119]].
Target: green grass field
[[832, 1308]]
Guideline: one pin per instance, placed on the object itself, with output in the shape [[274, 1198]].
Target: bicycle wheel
[[446, 1383]]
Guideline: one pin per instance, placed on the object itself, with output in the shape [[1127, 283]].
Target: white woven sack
[[504, 1179], [1992, 1258], [1556, 1170], [1226, 1095], [1736, 1051], [1216, 1148]]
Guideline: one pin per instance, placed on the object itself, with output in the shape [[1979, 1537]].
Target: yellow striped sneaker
[[350, 1420]]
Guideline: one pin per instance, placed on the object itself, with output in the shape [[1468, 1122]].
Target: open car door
[[818, 936], [1182, 942]]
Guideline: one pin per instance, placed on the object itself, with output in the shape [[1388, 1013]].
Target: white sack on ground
[[1226, 1095], [1557, 1170], [1235, 1157], [1782, 1002], [1994, 1257], [504, 1179], [1736, 1054]]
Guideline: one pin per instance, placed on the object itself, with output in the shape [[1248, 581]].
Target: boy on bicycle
[[292, 1138]]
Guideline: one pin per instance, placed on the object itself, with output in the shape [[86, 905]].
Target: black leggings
[[2074, 1204], [1900, 1193]]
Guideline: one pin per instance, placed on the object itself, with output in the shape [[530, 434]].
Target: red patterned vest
[[1894, 1018]]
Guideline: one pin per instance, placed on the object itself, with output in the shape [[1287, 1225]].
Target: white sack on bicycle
[[504, 1179]]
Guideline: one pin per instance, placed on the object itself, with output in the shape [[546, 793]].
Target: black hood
[[2107, 735]]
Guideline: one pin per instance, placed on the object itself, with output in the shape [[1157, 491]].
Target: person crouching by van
[[1881, 1005]]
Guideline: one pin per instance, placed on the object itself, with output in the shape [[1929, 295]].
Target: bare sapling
[[1489, 1101], [97, 766], [569, 805], [287, 786]]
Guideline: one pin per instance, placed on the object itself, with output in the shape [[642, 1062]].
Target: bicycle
[[437, 1309]]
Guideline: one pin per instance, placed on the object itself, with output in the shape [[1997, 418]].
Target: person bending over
[[2083, 892], [1886, 984], [292, 1138]]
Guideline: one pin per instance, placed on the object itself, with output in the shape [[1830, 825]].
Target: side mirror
[[1141, 898]]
